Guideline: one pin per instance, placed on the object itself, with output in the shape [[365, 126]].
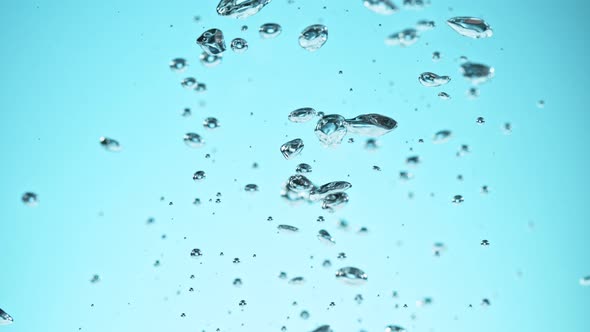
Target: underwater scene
[[294, 166]]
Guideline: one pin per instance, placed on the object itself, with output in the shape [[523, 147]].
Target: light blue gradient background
[[73, 71]]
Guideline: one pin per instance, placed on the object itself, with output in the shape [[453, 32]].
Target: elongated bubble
[[383, 7], [471, 27], [371, 125], [352, 275], [240, 9]]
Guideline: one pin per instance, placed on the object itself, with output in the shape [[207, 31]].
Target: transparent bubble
[[358, 298], [413, 160], [178, 65], [193, 140], [212, 42], [323, 328], [477, 73], [313, 37], [287, 228], [371, 144], [585, 281], [304, 314], [303, 168], [331, 129], [209, 60], [110, 144], [424, 302], [457, 199], [292, 148], [199, 175], [480, 120], [211, 123], [196, 253], [239, 45], [188, 83], [5, 318], [251, 187], [297, 281], [237, 282], [438, 248], [394, 328], [240, 9], [425, 25], [471, 27], [433, 80], [30, 199], [95, 279], [269, 30], [383, 7], [325, 237], [200, 88], [301, 115], [403, 38], [444, 96], [352, 275], [436, 56], [370, 125], [327, 189], [416, 4], [442, 136]]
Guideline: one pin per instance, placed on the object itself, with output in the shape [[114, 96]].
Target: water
[[105, 71]]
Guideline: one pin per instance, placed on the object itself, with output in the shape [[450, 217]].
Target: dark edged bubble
[[372, 125], [199, 175], [212, 42], [178, 65], [188, 83], [251, 187], [352, 275], [193, 140], [288, 228], [211, 123], [30, 199], [471, 27], [292, 148], [303, 168], [5, 318], [301, 115], [331, 129], [429, 79], [110, 144], [239, 45], [457, 199], [313, 37], [269, 30], [196, 253], [442, 136]]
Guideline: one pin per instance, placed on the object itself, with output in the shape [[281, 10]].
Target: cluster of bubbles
[[330, 129], [298, 188]]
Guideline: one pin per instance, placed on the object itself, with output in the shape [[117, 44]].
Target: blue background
[[74, 71]]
